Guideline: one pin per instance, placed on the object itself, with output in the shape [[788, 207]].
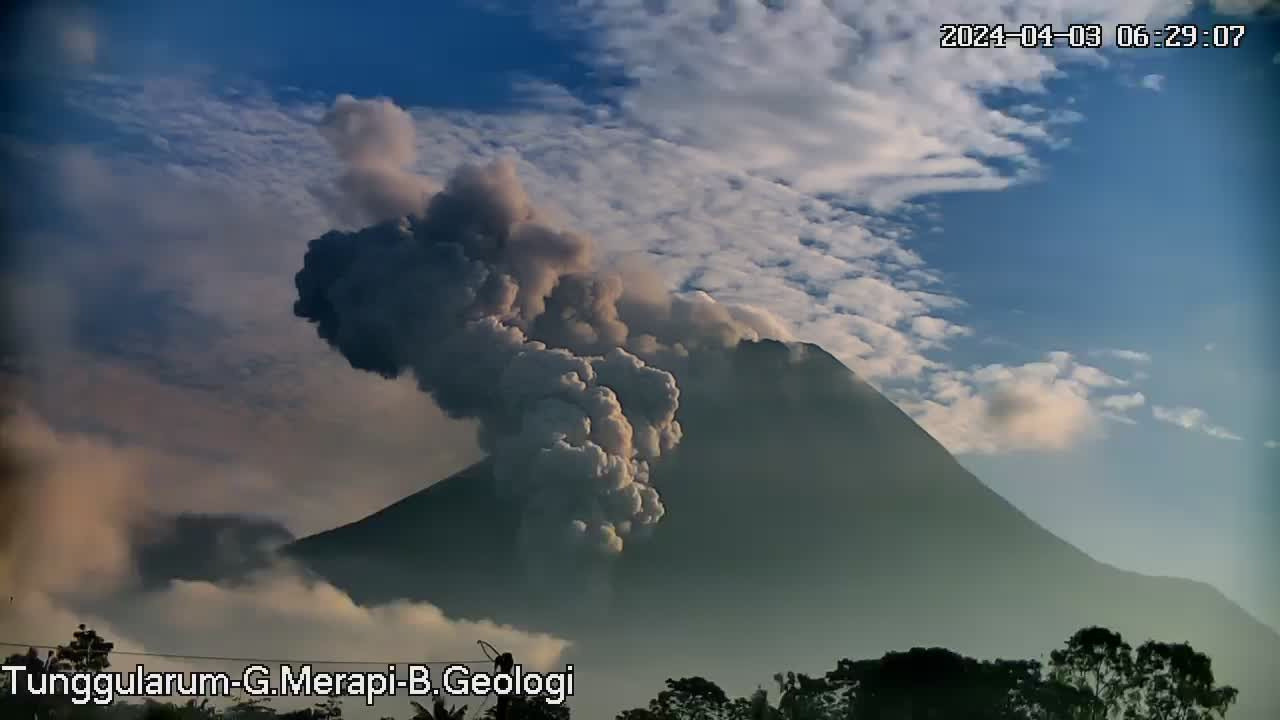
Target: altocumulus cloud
[[850, 99]]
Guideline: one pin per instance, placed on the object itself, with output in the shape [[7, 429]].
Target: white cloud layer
[[1133, 356], [1123, 403], [1191, 418], [841, 278], [847, 97], [1153, 82], [719, 165]]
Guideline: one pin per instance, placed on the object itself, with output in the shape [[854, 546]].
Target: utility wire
[[221, 658]]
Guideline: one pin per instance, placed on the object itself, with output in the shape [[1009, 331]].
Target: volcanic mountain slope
[[808, 518]]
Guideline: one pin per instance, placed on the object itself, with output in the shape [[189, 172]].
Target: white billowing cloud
[[277, 614], [844, 97], [1040, 406], [282, 611], [1154, 82], [1190, 418], [1124, 403], [1133, 356]]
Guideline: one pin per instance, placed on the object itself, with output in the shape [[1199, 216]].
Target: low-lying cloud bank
[[83, 521]]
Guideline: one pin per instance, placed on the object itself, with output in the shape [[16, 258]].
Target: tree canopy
[[1095, 675]]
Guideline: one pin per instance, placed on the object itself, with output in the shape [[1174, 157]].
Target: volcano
[[808, 519]]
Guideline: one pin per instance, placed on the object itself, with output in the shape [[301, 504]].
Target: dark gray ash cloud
[[504, 318]]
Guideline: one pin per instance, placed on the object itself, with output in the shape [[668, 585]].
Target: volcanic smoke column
[[452, 295]]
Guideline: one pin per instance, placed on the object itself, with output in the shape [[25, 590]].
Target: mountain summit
[[807, 519]]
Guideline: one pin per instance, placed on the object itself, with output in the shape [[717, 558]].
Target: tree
[[438, 711], [691, 698], [804, 698], [250, 708], [1174, 682], [87, 652], [533, 707], [191, 710], [1098, 661], [936, 682], [756, 707], [1160, 681]]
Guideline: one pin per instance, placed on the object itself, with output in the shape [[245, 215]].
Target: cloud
[[1190, 418], [850, 98], [1245, 7], [82, 506], [700, 224], [375, 141], [1040, 406], [1154, 82], [1133, 356], [190, 354], [1114, 407], [1124, 403], [280, 613], [1271, 444], [1095, 378], [75, 502]]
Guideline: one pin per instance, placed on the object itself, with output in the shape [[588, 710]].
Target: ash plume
[[503, 318], [374, 139]]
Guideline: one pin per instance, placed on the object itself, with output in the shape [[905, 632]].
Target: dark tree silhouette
[[87, 652], [1174, 682], [800, 697], [935, 682], [191, 710], [1096, 676], [1160, 681], [529, 708], [438, 711], [250, 708], [1100, 662], [693, 698]]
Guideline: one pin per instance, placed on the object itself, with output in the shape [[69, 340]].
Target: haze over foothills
[[1061, 264]]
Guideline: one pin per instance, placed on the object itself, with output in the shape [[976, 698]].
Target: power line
[[278, 661]]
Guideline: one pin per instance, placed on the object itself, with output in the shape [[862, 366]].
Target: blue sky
[[942, 221]]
